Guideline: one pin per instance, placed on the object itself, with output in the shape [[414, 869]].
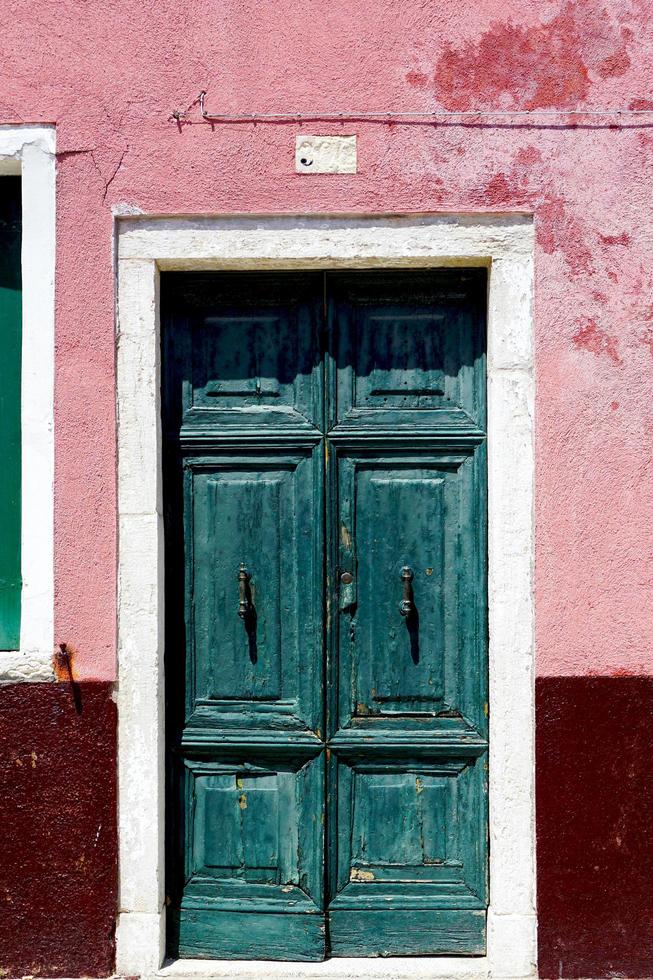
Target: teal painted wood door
[[326, 632]]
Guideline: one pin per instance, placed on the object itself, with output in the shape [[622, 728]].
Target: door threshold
[[346, 968]]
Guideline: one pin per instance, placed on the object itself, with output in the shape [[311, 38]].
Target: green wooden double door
[[326, 626]]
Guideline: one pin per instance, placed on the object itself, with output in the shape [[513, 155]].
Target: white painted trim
[[505, 244], [30, 152]]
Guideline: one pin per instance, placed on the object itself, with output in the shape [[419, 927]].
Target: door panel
[[419, 510], [401, 932], [411, 865], [253, 845], [251, 831], [408, 840], [263, 511], [326, 627], [252, 935], [407, 349], [246, 352]]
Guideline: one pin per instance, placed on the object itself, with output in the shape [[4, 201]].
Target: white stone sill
[[26, 666], [237, 968], [381, 968]]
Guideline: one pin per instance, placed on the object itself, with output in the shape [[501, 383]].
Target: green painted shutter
[[10, 359]]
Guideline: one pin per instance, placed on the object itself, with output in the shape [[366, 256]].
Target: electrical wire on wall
[[617, 118]]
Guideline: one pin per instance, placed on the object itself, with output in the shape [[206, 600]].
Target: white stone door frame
[[504, 244]]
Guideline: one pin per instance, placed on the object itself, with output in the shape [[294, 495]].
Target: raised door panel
[[411, 832], [253, 843], [256, 674], [246, 348], [421, 512], [408, 350], [409, 869]]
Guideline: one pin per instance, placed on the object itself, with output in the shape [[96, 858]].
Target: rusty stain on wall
[[591, 337]]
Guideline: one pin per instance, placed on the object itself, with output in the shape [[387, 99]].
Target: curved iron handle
[[245, 603], [406, 606]]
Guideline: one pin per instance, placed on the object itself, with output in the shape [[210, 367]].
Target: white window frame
[[505, 245], [29, 151]]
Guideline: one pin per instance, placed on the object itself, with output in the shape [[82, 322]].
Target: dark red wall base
[[594, 789], [58, 859]]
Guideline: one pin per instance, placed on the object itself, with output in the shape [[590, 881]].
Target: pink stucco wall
[[110, 75]]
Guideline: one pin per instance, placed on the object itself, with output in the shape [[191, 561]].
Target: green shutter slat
[[10, 450]]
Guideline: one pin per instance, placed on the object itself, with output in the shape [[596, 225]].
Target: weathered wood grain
[[323, 434]]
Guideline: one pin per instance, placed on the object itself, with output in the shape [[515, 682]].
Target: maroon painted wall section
[[58, 858], [58, 865], [595, 826]]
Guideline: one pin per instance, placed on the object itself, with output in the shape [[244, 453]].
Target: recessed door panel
[[399, 359]]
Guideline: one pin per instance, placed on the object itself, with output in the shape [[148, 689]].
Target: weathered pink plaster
[[110, 76]]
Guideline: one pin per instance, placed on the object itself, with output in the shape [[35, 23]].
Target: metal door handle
[[245, 603], [406, 606]]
